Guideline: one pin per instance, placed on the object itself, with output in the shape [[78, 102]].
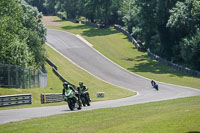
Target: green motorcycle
[[72, 100]]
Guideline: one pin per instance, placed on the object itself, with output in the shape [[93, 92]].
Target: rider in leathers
[[67, 87], [83, 88]]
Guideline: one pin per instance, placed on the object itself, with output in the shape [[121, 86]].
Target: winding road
[[87, 58]]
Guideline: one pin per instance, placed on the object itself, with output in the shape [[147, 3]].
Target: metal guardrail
[[138, 45], [51, 98], [95, 25], [11, 100], [51, 64], [55, 70]]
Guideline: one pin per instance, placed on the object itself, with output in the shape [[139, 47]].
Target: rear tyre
[[88, 100], [83, 100], [79, 103]]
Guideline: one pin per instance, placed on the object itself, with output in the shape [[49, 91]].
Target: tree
[[39, 4], [12, 49], [21, 34], [130, 15], [190, 51], [34, 32]]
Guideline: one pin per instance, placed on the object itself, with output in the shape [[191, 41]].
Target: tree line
[[22, 34], [170, 28]]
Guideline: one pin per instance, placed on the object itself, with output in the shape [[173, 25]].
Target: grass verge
[[116, 47], [172, 116]]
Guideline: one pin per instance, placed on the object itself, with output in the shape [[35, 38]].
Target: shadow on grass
[[90, 31], [148, 65], [99, 32], [58, 20], [77, 27]]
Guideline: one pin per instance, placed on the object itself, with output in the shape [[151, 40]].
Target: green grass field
[[172, 116], [116, 47]]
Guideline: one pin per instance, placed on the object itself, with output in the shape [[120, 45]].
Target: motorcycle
[[84, 98], [72, 100], [155, 86]]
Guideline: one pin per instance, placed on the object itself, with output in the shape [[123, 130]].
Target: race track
[[90, 60]]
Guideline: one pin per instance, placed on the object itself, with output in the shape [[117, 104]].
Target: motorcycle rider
[[153, 83], [67, 87], [83, 88]]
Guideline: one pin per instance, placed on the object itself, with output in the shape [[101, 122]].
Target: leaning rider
[[66, 87], [153, 82], [83, 88]]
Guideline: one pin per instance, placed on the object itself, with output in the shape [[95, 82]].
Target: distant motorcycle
[[84, 98], [155, 86], [72, 100]]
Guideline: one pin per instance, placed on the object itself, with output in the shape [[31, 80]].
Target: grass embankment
[[73, 74], [116, 47], [173, 116]]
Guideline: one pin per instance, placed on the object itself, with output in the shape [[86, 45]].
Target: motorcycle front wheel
[[71, 104]]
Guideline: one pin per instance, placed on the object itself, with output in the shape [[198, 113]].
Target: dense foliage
[[170, 28], [22, 34]]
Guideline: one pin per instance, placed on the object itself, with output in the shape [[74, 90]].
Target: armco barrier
[[139, 46], [51, 64], [55, 70], [51, 98], [93, 24], [11, 100], [68, 19], [175, 66]]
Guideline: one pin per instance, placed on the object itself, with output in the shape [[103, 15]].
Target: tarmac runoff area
[[73, 48]]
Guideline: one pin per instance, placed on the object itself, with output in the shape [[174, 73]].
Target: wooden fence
[[11, 100], [51, 98]]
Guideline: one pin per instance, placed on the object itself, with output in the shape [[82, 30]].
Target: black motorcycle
[[84, 96], [72, 100]]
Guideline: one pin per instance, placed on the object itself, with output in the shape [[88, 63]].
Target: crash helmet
[[65, 84], [81, 83]]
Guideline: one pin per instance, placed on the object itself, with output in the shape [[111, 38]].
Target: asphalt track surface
[[87, 58]]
